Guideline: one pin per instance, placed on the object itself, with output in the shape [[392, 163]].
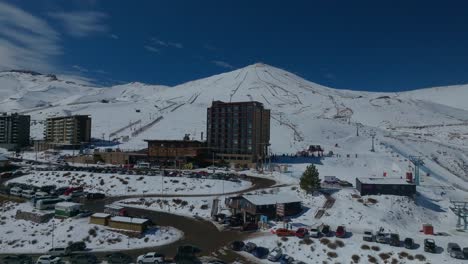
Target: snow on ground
[[184, 206], [21, 236], [395, 214], [120, 185]]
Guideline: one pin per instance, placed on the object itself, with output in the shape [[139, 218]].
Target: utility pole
[[53, 230], [417, 161], [213, 162], [372, 134]]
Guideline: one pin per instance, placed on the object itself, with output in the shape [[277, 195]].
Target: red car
[[340, 231], [283, 232], [73, 189], [302, 232]]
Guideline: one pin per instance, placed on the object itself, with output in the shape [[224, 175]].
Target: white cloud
[[222, 64], [79, 68], [26, 41], [151, 49], [114, 36], [162, 43], [82, 23]]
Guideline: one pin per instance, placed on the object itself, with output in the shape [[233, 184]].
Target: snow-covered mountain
[[303, 112]]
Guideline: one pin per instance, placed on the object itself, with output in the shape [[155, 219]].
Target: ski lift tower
[[417, 161], [372, 134], [460, 209]]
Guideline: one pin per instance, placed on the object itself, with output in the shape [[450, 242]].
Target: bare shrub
[[384, 256], [371, 259], [375, 248], [355, 258], [325, 241], [339, 243]]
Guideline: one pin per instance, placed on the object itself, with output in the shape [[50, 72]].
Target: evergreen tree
[[310, 180]]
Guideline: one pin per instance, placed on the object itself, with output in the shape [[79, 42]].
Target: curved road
[[200, 233]]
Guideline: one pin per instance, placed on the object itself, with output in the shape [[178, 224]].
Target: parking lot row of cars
[[275, 255], [393, 239]]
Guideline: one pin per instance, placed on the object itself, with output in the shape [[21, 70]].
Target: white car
[[41, 194], [28, 193], [314, 232], [48, 259], [275, 254], [151, 257]]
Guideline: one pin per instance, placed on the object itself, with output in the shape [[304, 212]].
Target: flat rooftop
[[267, 199], [124, 219], [384, 180]]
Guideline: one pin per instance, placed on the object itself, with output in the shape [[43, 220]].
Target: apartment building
[[68, 130], [238, 132], [14, 131]]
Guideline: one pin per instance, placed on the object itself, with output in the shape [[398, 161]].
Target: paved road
[[200, 233]]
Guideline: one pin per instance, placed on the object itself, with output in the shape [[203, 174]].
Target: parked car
[[76, 190], [283, 232], [409, 243], [237, 245], [119, 258], [95, 196], [249, 227], [465, 252], [48, 259], [40, 194], [151, 257], [59, 252], [430, 245], [16, 191], [314, 232], [16, 259], [260, 252], [84, 259], [330, 180], [28, 194], [76, 247], [275, 254], [249, 247], [286, 259], [368, 235], [60, 191], [382, 238], [302, 232], [324, 229], [83, 214], [394, 240], [455, 251], [340, 232]]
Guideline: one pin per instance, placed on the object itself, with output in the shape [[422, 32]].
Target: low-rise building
[[176, 152], [390, 186], [100, 219], [128, 223], [270, 205]]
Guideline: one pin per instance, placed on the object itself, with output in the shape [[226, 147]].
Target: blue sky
[[360, 45]]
